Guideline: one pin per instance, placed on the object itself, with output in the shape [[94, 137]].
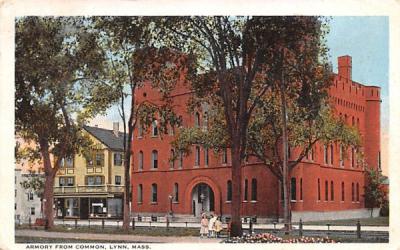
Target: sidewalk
[[115, 237], [244, 225]]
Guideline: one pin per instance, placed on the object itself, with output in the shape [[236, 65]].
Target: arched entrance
[[203, 199]]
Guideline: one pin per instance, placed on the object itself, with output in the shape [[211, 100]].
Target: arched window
[[154, 128], [153, 192], [205, 120], [319, 190], [332, 192], [176, 192], [180, 160], [140, 193], [229, 191], [254, 189], [357, 192], [172, 159], [325, 154], [342, 191], [197, 120], [197, 156], [225, 156], [326, 191], [140, 130], [154, 159], [341, 156], [246, 188], [352, 191], [293, 189], [206, 156], [140, 160]]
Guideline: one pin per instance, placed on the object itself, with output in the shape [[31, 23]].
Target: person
[[203, 225], [218, 226], [211, 226]]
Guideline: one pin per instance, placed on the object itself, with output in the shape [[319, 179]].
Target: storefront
[[89, 207]]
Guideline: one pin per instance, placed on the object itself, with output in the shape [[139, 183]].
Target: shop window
[[154, 159], [153, 192], [293, 189], [117, 159], [229, 190], [254, 189], [117, 180]]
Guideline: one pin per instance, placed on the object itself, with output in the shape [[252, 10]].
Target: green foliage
[[35, 184], [374, 194]]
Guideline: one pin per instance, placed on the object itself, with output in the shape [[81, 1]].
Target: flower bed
[[270, 238]]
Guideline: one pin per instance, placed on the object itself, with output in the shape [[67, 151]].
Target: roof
[[107, 137]]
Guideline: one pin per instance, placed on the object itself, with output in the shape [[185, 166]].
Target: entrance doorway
[[202, 199]]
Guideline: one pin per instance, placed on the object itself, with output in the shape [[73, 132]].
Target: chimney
[[344, 66], [116, 128]]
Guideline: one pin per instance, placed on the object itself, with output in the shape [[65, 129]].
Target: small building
[[92, 185], [27, 201]]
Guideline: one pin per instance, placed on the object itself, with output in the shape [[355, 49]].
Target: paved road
[[115, 237]]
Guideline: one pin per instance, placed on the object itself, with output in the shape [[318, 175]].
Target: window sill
[[300, 200], [293, 200], [318, 200], [140, 203], [228, 201], [175, 202], [140, 137], [154, 136], [153, 203], [153, 169], [196, 166], [341, 201], [253, 201], [245, 201]]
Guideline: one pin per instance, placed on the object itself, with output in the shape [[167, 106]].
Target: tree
[[57, 64], [241, 61], [35, 184], [374, 194], [133, 60]]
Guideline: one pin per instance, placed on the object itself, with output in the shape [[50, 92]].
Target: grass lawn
[[148, 231], [28, 240], [378, 221]]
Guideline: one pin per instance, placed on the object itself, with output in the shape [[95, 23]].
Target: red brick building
[[201, 181]]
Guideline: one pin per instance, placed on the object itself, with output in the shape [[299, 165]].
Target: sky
[[366, 40]]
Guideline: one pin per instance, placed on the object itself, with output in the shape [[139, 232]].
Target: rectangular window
[[301, 189], [341, 156], [70, 181], [319, 190], [325, 154], [140, 193], [246, 187], [61, 181], [332, 192], [352, 191], [117, 159], [197, 156], [254, 189], [94, 180], [32, 211], [225, 156], [206, 156], [30, 196], [99, 159], [117, 180], [342, 191], [293, 189], [140, 130], [229, 191], [326, 191]]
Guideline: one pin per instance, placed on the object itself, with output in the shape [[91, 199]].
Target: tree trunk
[[236, 223], [48, 194], [127, 193], [285, 170]]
